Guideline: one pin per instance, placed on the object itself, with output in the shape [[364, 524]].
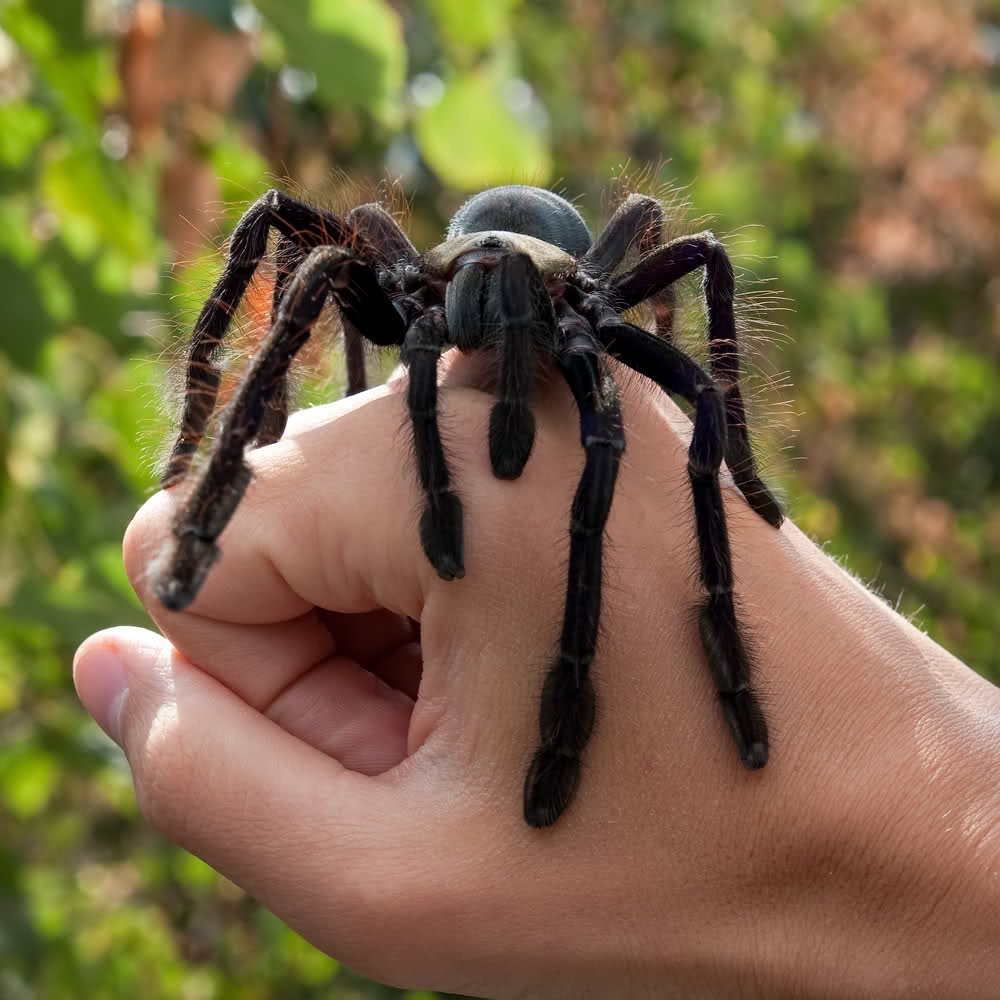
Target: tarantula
[[519, 275]]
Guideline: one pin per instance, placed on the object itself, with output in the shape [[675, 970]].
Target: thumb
[[281, 818]]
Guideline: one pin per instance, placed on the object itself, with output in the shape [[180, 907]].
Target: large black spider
[[519, 275]]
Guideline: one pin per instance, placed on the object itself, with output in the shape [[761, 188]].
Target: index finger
[[329, 522], [316, 497]]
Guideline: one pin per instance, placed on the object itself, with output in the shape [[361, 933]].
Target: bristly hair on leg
[[764, 388], [320, 372], [748, 639]]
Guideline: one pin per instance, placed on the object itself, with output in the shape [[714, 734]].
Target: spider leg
[[305, 226], [393, 245], [665, 266], [520, 305], [210, 505], [288, 258], [390, 244], [354, 360], [568, 701], [639, 223], [721, 634], [386, 236], [441, 521]]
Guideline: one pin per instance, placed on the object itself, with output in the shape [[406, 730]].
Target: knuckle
[[143, 543]]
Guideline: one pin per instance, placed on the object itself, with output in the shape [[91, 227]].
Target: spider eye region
[[448, 258]]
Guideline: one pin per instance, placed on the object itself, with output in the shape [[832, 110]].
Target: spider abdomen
[[517, 208]]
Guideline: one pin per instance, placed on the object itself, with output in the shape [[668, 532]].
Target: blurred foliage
[[848, 149]]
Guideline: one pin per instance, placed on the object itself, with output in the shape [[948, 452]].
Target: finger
[[334, 494], [337, 706], [237, 789], [386, 644], [256, 662], [368, 637], [347, 712], [345, 540], [349, 861]]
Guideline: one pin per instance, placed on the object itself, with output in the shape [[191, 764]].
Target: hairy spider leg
[[463, 300], [288, 258], [721, 634], [441, 521], [390, 244], [388, 240], [665, 266], [307, 227], [393, 246], [638, 223], [567, 713], [638, 220], [354, 360], [210, 505]]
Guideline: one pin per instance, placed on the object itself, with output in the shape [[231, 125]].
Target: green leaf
[[28, 777], [55, 291], [68, 20], [193, 873], [22, 128], [80, 186], [309, 965], [79, 83], [472, 139], [131, 407], [355, 48], [31, 32], [242, 172], [473, 23], [11, 682], [15, 230]]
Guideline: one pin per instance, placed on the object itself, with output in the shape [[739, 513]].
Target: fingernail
[[101, 683]]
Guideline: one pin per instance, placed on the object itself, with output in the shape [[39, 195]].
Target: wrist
[[894, 891], [884, 874]]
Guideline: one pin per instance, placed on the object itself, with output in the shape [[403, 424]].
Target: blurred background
[[848, 152]]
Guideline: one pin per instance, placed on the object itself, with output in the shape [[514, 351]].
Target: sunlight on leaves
[[472, 139]]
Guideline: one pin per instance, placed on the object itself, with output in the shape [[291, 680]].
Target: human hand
[[362, 777]]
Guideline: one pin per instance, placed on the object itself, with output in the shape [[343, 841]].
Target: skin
[[363, 780]]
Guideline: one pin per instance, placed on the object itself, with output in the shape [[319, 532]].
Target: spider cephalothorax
[[520, 276]]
